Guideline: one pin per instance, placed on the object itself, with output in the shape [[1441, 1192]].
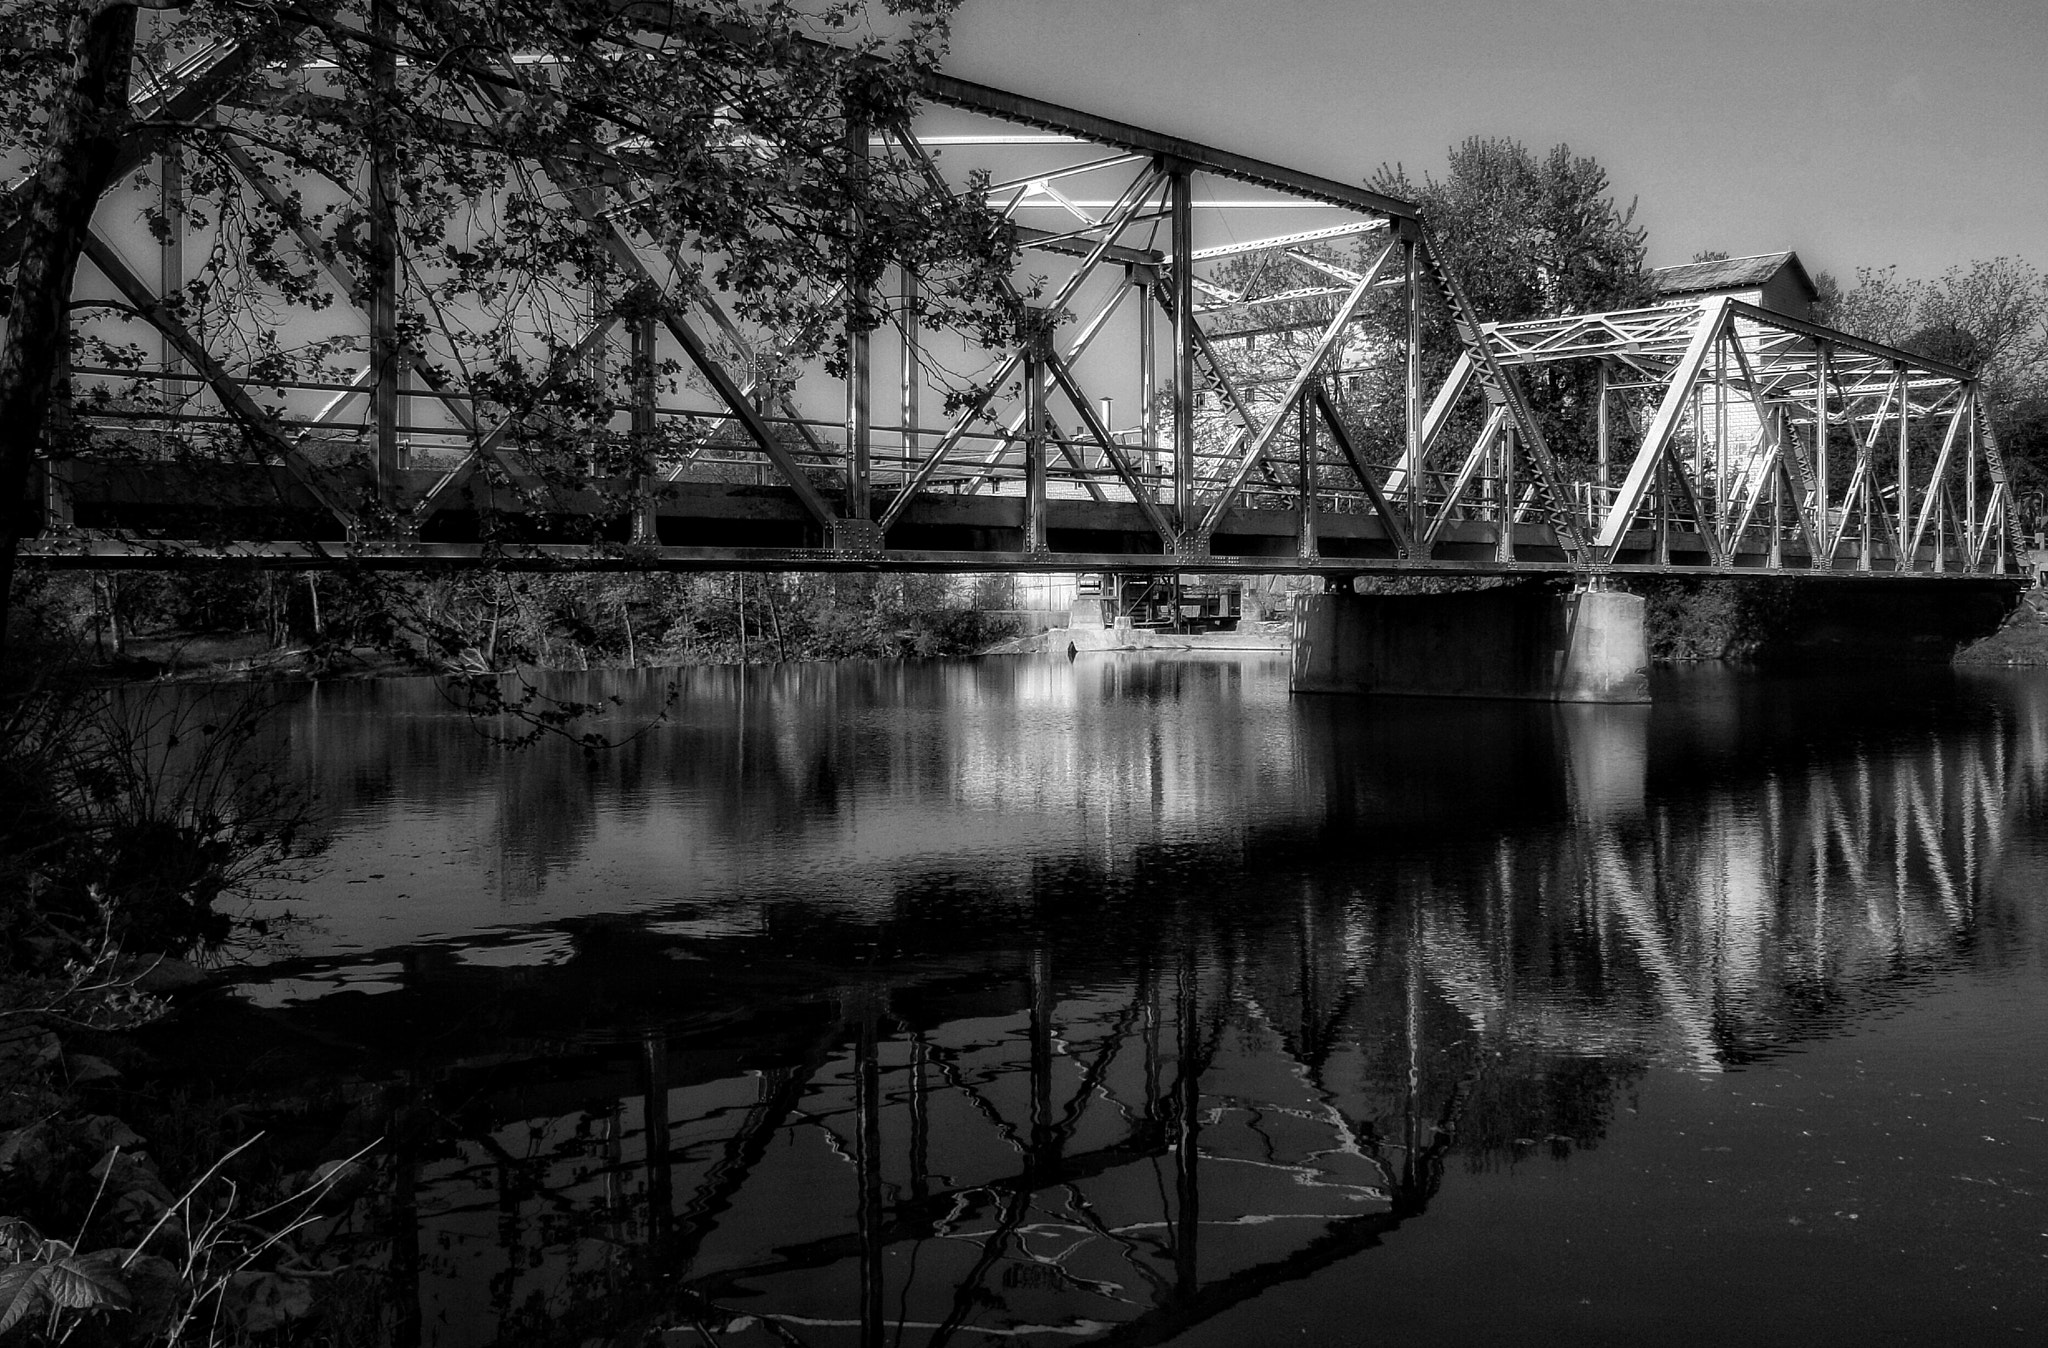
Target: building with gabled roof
[[1775, 281]]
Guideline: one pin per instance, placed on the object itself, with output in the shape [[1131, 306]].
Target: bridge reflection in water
[[1174, 1065]]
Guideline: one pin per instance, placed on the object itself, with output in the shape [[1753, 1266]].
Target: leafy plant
[[235, 1273], [50, 1281]]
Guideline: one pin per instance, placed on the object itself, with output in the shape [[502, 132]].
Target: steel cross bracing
[[1231, 377]]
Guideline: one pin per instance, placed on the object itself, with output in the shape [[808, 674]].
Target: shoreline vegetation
[[150, 631]]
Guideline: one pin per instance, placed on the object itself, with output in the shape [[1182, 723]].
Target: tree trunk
[[88, 113], [117, 631], [775, 617], [739, 590]]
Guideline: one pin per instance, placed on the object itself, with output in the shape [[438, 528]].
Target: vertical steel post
[[1411, 403], [1148, 374], [1904, 562], [1187, 1091], [1664, 510], [1181, 188], [171, 251], [859, 303], [645, 528], [1868, 461], [1504, 541], [57, 461], [596, 366], [1823, 510], [1411, 1112], [1939, 506], [920, 1116], [868, 1167], [385, 371], [913, 375], [1699, 436], [1968, 412], [1721, 431], [1777, 561], [1034, 449], [1040, 1034], [1603, 434], [654, 1131], [1306, 545], [1148, 983]]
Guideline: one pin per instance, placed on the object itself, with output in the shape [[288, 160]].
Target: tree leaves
[[1530, 238], [20, 1293], [86, 1282], [61, 1280]]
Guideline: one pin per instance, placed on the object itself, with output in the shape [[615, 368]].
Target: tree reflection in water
[[1084, 1002]]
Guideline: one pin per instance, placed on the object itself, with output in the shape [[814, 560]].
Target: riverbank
[[248, 657], [234, 657], [2021, 641], [1267, 636]]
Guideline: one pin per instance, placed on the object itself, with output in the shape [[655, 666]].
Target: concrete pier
[[1529, 642]]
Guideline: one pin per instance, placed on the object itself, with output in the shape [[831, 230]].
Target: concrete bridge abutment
[[1528, 642]]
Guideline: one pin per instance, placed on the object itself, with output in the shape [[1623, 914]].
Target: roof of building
[[1729, 273]]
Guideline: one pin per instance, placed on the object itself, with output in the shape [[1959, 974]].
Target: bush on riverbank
[[241, 621], [129, 822], [2021, 640], [1789, 620]]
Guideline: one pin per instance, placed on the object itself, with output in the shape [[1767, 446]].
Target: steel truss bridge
[[1272, 425]]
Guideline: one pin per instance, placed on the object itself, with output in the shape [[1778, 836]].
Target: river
[[1131, 1000]]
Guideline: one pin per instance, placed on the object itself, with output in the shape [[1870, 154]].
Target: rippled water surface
[[1127, 1001]]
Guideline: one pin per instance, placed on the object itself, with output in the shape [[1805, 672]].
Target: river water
[[1131, 1000]]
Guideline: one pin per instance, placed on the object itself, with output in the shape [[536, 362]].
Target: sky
[[1862, 133]]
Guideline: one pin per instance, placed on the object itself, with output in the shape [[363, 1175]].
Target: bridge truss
[[1264, 328]]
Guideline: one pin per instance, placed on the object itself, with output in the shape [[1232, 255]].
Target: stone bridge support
[[1529, 642]]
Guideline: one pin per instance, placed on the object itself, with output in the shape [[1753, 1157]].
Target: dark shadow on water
[[1088, 1000]]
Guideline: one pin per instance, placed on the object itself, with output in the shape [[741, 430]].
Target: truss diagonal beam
[[1657, 437], [251, 172], [1433, 421], [1110, 449], [1936, 477], [1075, 350], [1116, 219], [487, 446], [1390, 519], [1309, 368], [1475, 458], [259, 425], [722, 383], [1501, 388]]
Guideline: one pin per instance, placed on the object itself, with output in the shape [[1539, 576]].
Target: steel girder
[[1263, 324]]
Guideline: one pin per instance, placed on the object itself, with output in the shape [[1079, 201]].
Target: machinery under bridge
[[1238, 376]]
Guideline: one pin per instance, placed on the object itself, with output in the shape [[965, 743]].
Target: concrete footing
[[1086, 614], [1532, 643]]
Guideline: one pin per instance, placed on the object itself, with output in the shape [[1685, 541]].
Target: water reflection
[[1087, 1001]]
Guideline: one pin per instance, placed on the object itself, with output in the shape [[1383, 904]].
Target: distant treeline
[[343, 620]]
